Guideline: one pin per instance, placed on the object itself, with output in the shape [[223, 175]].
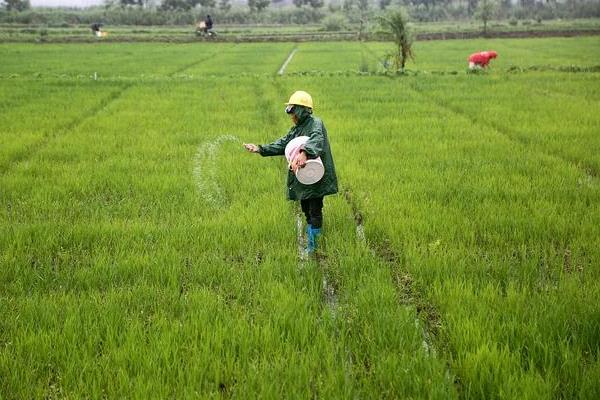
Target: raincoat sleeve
[[277, 148], [314, 145]]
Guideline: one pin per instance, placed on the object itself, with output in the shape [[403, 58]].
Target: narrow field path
[[287, 61]]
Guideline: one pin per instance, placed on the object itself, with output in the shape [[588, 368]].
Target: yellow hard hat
[[300, 98]]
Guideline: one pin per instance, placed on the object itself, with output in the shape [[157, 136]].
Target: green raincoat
[[316, 146]]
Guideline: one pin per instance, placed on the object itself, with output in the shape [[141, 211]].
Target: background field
[[144, 254], [64, 32]]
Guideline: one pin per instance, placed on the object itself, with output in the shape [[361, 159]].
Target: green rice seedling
[[522, 110], [114, 60], [248, 59], [451, 55], [29, 125], [472, 271], [328, 57]]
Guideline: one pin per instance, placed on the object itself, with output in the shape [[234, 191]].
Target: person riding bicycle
[[204, 27]]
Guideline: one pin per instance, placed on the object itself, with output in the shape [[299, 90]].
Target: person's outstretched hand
[[252, 148], [298, 162]]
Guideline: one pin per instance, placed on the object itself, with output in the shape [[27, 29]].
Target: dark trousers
[[313, 210]]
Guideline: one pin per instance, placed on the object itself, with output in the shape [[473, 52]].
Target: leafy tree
[[472, 6], [258, 5], [168, 5], [396, 23], [485, 11], [17, 5], [133, 3], [383, 4], [348, 4], [429, 4], [334, 6], [313, 3], [225, 5], [129, 3], [184, 5]]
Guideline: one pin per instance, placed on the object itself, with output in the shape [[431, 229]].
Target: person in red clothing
[[481, 59]]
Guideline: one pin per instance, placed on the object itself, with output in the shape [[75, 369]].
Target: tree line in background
[[333, 14]]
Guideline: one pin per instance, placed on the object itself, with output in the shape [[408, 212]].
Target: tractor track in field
[[37, 146], [408, 292], [583, 166]]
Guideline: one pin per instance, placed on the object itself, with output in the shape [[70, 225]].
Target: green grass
[[133, 266]]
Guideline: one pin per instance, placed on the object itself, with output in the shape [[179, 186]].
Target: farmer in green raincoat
[[300, 108]]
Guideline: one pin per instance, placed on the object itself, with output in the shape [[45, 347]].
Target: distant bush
[[421, 13], [334, 23], [513, 21], [585, 10], [457, 11]]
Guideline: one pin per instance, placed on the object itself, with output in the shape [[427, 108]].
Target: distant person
[[481, 60], [96, 29], [300, 110], [205, 27], [208, 24]]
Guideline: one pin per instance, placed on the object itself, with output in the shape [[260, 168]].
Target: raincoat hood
[[302, 113]]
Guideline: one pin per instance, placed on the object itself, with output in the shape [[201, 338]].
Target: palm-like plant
[[396, 23]]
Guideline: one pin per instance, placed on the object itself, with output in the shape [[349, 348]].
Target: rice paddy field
[[145, 254]]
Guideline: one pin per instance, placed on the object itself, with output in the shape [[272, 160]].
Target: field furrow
[[482, 122], [23, 137], [545, 122]]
